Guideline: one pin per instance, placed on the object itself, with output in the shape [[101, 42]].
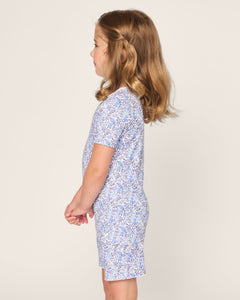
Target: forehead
[[99, 35]]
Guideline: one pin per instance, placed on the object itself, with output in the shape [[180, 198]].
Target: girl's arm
[[94, 177]]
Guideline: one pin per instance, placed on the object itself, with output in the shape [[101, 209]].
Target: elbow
[[96, 173]]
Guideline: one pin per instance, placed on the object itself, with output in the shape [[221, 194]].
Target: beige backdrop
[[191, 163]]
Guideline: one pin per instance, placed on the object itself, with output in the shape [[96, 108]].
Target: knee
[[123, 289], [107, 290], [115, 291], [118, 290]]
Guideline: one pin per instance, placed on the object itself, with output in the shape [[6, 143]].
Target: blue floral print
[[121, 207]]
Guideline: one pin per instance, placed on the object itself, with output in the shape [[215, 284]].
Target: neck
[[122, 85]]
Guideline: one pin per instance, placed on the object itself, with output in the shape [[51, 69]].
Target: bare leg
[[124, 289], [106, 287]]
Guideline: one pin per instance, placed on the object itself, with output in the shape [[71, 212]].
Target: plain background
[[192, 165]]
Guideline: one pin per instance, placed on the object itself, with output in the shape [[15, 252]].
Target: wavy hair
[[143, 70]]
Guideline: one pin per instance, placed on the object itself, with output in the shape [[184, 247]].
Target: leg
[[124, 289], [106, 287]]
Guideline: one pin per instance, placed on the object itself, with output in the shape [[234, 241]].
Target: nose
[[91, 53]]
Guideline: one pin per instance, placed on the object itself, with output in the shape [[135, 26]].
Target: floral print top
[[121, 207]]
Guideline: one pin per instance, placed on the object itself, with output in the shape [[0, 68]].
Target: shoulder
[[122, 104], [122, 99]]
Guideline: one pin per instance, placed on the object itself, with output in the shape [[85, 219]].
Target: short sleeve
[[110, 121]]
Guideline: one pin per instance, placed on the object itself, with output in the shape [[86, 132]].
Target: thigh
[[124, 289], [105, 284]]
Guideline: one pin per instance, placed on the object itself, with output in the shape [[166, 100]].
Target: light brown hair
[[143, 71]]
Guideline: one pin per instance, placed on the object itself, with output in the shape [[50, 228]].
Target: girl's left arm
[[94, 177]]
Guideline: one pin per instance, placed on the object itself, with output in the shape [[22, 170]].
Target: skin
[[94, 177], [99, 53]]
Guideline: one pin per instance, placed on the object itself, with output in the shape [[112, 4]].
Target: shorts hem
[[112, 278]]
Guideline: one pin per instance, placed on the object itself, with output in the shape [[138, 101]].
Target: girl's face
[[99, 53]]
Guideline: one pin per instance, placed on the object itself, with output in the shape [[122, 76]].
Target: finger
[[75, 222], [71, 218], [67, 213], [79, 220], [82, 219], [76, 213], [85, 219], [91, 214]]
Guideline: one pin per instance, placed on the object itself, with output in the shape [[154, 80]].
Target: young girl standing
[[135, 90]]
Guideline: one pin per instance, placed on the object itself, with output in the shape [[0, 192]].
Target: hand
[[81, 217], [77, 220], [74, 214]]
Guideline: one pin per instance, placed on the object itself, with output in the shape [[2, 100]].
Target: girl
[[135, 90]]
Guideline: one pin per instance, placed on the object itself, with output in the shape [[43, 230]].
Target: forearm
[[92, 184]]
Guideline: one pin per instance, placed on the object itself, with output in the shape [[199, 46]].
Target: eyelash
[[95, 45]]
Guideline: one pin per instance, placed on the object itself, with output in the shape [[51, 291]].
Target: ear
[[123, 55]]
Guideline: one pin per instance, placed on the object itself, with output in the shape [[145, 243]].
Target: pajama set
[[121, 207]]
